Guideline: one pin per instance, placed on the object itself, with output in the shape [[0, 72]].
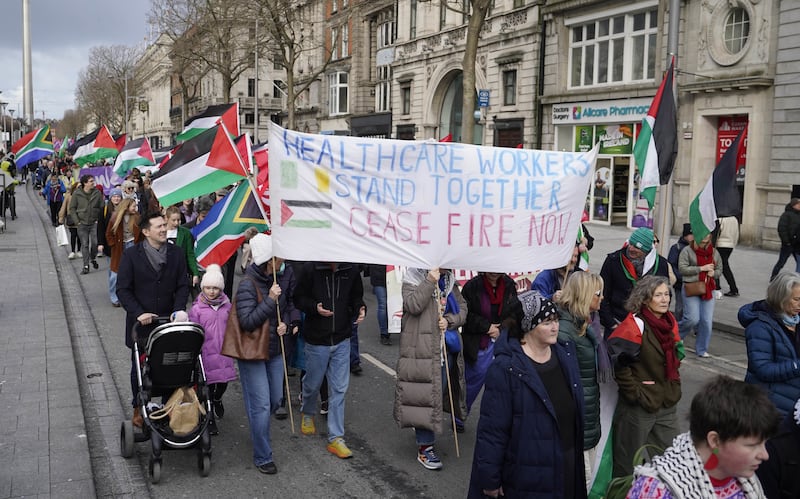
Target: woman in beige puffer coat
[[421, 390]]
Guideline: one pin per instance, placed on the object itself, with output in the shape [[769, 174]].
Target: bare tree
[[73, 123], [209, 35], [476, 15], [292, 30], [101, 85]]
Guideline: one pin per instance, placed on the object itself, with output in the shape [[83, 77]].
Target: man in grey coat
[[85, 207]]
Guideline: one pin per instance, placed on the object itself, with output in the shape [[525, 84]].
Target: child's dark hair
[[733, 409]]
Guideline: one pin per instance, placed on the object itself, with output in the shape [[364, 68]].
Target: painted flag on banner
[[720, 196], [201, 165], [94, 147], [657, 142], [135, 154], [227, 113], [221, 233], [33, 146]]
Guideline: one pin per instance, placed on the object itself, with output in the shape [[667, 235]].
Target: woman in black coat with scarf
[[530, 434]]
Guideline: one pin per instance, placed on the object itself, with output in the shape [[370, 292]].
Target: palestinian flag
[[121, 140], [33, 146], [720, 196], [261, 160], [657, 141], [134, 154], [226, 113], [64, 145], [94, 147], [201, 165], [221, 233]]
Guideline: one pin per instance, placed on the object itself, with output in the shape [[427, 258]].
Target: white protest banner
[[424, 204]]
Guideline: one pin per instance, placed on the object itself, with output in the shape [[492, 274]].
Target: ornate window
[[611, 49], [383, 89], [737, 30]]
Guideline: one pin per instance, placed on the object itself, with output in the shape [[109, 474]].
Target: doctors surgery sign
[[424, 204]]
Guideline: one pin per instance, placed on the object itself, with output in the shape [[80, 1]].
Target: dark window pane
[[588, 75], [577, 34], [602, 28], [638, 21]]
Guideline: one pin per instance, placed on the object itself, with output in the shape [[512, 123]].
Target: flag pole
[[253, 190], [665, 195], [443, 350]]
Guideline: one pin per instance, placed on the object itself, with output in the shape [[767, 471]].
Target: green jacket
[[568, 328], [185, 241], [85, 207]]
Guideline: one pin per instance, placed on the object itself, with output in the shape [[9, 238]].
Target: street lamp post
[[124, 78], [11, 112], [3, 115]]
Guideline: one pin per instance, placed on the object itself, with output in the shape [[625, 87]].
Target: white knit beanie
[[213, 277], [261, 248]]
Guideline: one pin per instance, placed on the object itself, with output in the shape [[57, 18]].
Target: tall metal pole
[[27, 72], [665, 193], [3, 115], [255, 105]]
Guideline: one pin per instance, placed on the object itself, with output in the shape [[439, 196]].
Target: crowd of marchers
[[542, 357]]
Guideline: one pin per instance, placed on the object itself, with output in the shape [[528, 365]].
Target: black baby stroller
[[171, 361]]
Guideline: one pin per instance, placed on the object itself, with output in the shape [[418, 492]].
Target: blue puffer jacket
[[772, 360], [517, 444]]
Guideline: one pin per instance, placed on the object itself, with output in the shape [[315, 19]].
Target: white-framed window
[[338, 98], [618, 48], [383, 89], [737, 30], [412, 20], [335, 43], [385, 34], [509, 87], [344, 39], [405, 98]]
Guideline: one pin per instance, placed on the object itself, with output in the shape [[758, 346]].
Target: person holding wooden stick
[[433, 310], [264, 299]]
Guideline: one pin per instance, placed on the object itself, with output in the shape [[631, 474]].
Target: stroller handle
[[157, 321]]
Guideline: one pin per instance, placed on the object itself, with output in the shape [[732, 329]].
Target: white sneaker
[[79, 255], [71, 255], [717, 294]]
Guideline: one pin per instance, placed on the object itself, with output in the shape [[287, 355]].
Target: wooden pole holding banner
[[254, 189], [283, 352], [443, 351]]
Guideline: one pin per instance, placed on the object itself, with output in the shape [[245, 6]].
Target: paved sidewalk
[[57, 395]]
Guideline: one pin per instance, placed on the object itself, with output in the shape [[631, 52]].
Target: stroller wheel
[[126, 439], [155, 470], [205, 464]]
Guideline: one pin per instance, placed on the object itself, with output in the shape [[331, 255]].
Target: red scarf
[[495, 294], [664, 329], [705, 256]]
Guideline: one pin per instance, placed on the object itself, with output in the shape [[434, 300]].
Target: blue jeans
[[697, 313], [332, 361], [782, 257], [381, 309], [112, 286], [262, 390]]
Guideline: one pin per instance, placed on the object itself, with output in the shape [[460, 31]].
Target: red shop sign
[[728, 128]]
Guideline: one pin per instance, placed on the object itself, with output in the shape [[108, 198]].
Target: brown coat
[[418, 398], [117, 245]]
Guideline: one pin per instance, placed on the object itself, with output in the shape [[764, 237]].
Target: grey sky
[[62, 32]]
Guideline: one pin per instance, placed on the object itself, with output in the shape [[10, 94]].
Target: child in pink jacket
[[211, 310]]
